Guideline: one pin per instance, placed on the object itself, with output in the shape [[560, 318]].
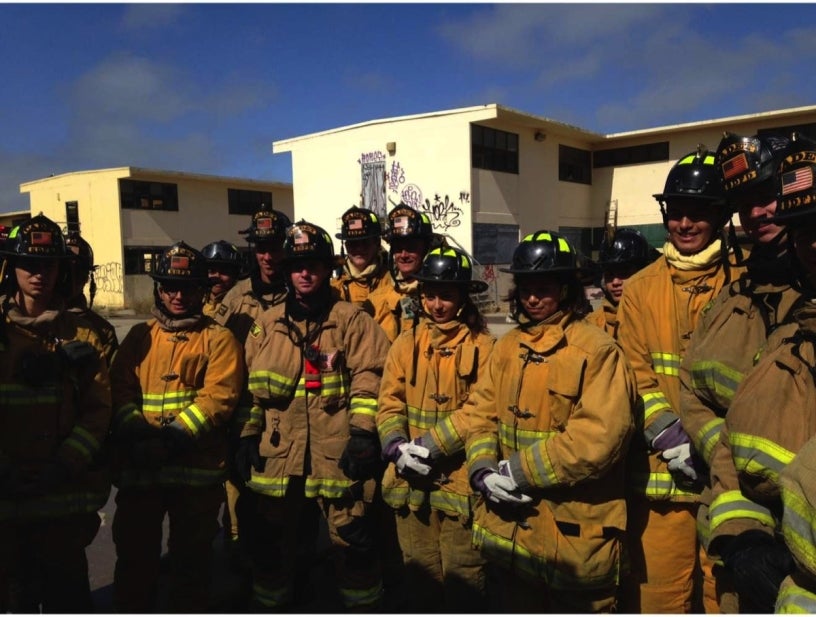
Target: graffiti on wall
[[108, 277], [444, 213]]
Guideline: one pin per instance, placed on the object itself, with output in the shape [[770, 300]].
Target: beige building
[[129, 214], [488, 175]]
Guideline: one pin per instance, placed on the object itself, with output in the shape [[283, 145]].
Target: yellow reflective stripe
[[195, 419], [270, 597], [540, 466], [354, 598], [794, 600], [363, 406], [271, 385], [394, 425], [512, 556], [666, 363], [733, 505], [57, 504], [799, 527], [518, 439], [654, 402], [256, 417], [758, 456], [14, 395], [83, 442], [315, 487], [484, 447], [176, 399], [713, 376], [447, 436], [127, 413], [170, 475], [659, 486], [422, 418], [243, 414], [333, 385], [709, 435]]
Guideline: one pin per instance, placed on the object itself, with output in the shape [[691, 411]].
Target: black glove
[[758, 564], [177, 439], [248, 457], [150, 454], [361, 458]]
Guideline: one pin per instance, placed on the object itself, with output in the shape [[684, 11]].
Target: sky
[[207, 88]]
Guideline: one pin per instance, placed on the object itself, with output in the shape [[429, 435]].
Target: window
[[808, 130], [373, 187], [494, 244], [72, 215], [139, 195], [586, 240], [247, 202], [493, 149], [632, 155], [574, 165], [141, 259]]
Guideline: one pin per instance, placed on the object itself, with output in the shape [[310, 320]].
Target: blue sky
[[207, 88]]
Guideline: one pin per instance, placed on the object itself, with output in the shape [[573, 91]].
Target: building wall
[[202, 217]]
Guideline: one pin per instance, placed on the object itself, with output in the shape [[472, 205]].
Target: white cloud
[[138, 17]]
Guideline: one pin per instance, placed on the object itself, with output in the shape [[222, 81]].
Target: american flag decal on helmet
[[263, 223], [797, 180], [355, 224], [180, 262], [734, 166], [40, 238]]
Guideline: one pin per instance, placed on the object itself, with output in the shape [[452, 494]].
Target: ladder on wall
[[611, 218]]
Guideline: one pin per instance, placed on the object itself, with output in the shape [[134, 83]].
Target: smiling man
[[658, 311]]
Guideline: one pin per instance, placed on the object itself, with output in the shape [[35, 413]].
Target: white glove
[[679, 459], [410, 453], [503, 488]]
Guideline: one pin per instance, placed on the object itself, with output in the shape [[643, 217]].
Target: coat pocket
[[192, 369], [564, 381]]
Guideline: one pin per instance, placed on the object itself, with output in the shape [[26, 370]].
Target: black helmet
[[626, 247], [795, 186], [744, 163], [222, 252], [541, 252], [37, 237], [405, 222], [694, 176], [308, 241], [82, 252], [181, 263], [449, 265], [267, 224], [359, 224]]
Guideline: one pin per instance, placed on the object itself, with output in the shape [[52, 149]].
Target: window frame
[[148, 195], [493, 149], [240, 203]]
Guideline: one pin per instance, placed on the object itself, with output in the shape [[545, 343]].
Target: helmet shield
[[305, 240], [405, 222], [38, 237], [181, 263], [541, 252], [746, 163], [267, 225], [796, 185], [359, 224], [449, 265]]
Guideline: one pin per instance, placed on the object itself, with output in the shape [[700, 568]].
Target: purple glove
[[676, 449], [408, 456], [498, 488]]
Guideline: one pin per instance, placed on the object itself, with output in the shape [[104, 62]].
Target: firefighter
[[658, 311], [224, 265], [56, 412], [736, 326], [797, 487], [772, 413], [428, 374], [620, 257], [365, 268], [410, 236], [315, 365], [176, 380], [548, 428], [82, 273], [264, 288]]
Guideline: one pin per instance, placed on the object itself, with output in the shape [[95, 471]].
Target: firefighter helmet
[[306, 240], [81, 249], [267, 224], [449, 265], [626, 247], [694, 176], [359, 224], [181, 263], [745, 163], [405, 222], [795, 186], [541, 252], [222, 253], [37, 237]]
